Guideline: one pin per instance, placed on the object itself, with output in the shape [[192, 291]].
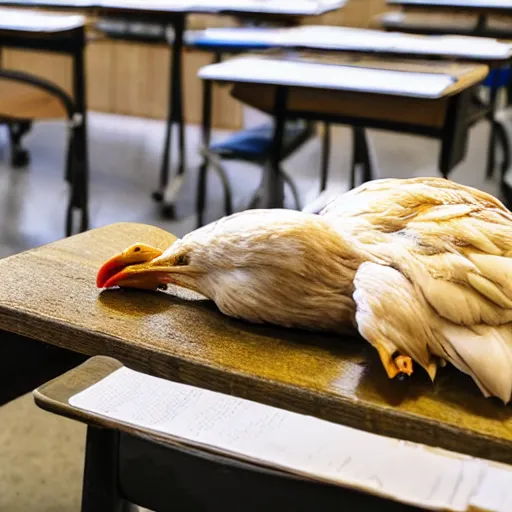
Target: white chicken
[[420, 267]]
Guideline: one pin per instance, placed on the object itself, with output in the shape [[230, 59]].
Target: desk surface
[[363, 41], [49, 294], [431, 80], [19, 20], [271, 7]]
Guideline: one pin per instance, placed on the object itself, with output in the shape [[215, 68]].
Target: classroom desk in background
[[424, 98], [478, 6], [52, 316], [174, 13], [494, 54]]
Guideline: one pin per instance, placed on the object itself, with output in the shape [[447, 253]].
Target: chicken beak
[[132, 267]]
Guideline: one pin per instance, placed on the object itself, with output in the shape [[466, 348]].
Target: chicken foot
[[398, 365]]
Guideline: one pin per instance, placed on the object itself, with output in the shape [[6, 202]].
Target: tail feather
[[484, 353]]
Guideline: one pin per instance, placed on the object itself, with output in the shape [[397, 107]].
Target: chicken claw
[[404, 365], [387, 361]]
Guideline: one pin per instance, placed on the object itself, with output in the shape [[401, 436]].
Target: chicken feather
[[421, 267], [450, 248]]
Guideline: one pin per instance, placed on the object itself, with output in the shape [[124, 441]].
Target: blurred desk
[[51, 312], [174, 13], [478, 6], [426, 98]]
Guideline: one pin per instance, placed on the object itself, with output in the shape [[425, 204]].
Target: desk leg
[[491, 116], [202, 188], [271, 194], [77, 167], [167, 193], [360, 156], [326, 153], [101, 483], [26, 364]]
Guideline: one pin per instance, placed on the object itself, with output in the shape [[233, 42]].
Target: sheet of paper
[[13, 19], [305, 445], [346, 38], [253, 69]]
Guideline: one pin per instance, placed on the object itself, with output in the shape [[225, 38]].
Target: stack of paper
[[406, 472]]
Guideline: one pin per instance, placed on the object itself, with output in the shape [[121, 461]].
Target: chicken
[[420, 267]]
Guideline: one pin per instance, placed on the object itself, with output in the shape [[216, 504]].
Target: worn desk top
[[49, 294], [271, 7]]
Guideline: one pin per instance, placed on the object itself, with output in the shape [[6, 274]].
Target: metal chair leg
[[502, 138], [295, 192], [491, 116], [228, 201], [20, 157]]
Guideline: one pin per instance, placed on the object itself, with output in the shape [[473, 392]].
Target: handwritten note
[[317, 449]]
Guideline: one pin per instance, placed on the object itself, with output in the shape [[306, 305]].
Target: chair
[[25, 98], [126, 465], [251, 145]]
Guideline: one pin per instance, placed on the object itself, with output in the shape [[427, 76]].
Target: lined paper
[[252, 69], [304, 445]]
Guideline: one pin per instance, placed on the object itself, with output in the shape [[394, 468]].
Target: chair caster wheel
[[168, 211], [20, 158]]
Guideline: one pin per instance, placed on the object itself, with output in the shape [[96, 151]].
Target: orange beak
[[132, 268]]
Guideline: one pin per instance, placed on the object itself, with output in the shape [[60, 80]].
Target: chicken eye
[[182, 260], [136, 249]]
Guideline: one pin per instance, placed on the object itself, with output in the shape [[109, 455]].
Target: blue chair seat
[[228, 39], [503, 75], [254, 144]]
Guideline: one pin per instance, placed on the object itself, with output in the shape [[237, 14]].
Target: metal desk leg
[[77, 170], [202, 188], [326, 153], [491, 149], [167, 192], [101, 484], [360, 156], [272, 190]]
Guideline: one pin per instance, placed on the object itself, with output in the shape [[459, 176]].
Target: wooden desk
[[49, 304], [64, 35], [287, 87], [175, 14]]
